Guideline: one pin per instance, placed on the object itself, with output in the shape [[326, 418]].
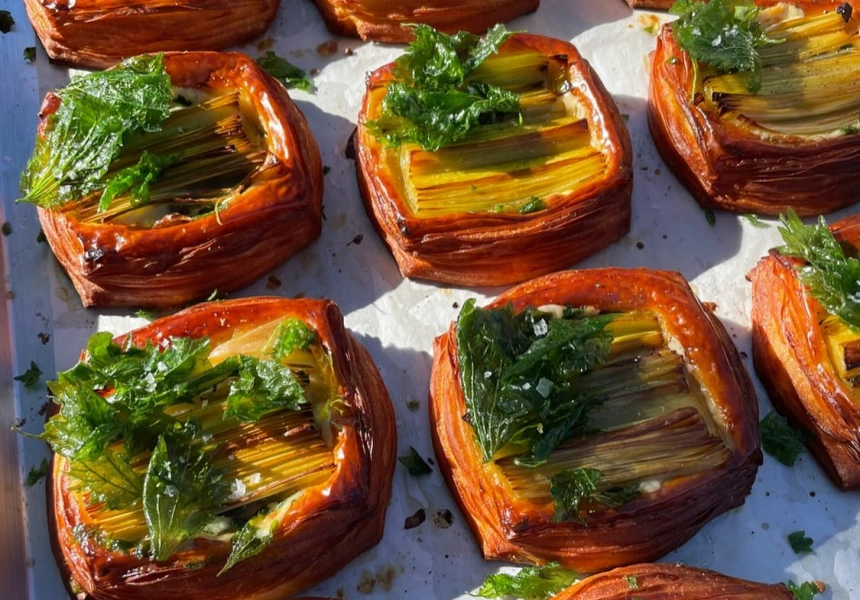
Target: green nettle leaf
[[262, 386], [515, 371], [414, 463], [180, 490], [290, 336], [86, 423], [799, 542], [573, 487], [252, 539], [37, 473], [721, 33], [109, 479], [285, 71], [135, 180], [430, 102], [97, 114], [530, 583], [31, 376], [830, 275], [805, 591], [781, 440]]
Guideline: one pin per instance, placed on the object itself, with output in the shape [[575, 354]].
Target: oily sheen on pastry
[[596, 418], [387, 21], [766, 131], [236, 450], [807, 355], [100, 33], [213, 183], [670, 582], [519, 194]]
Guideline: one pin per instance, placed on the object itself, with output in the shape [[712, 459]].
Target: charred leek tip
[[651, 427], [202, 155], [501, 167], [808, 81]]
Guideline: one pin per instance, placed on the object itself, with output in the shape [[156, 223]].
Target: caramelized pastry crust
[[658, 4], [460, 224], [168, 264], [326, 525], [805, 359], [383, 20], [100, 33], [670, 582], [514, 520], [787, 146]]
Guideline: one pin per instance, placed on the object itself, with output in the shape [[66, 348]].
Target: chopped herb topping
[[533, 205], [125, 394], [805, 591], [40, 237], [252, 539], [571, 488], [262, 386], [6, 21], [515, 371], [755, 221], [799, 542], [431, 102], [6, 229], [283, 70], [181, 489], [292, 335], [710, 217], [30, 54], [97, 114], [37, 473], [632, 582], [530, 583], [135, 179], [781, 440], [414, 463], [723, 34], [830, 275], [31, 376]]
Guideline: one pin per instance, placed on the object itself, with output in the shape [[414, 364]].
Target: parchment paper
[[397, 319]]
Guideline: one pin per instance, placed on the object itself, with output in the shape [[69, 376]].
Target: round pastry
[[100, 33], [806, 338], [477, 196], [595, 418], [235, 450], [172, 176], [386, 21], [756, 110], [670, 582]]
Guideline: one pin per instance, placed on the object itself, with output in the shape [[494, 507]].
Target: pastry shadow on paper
[[669, 229]]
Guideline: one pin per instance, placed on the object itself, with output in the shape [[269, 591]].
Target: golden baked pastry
[[236, 450], [538, 182], [658, 4], [764, 115], [806, 341], [100, 33], [670, 582], [386, 21], [203, 175], [595, 418]]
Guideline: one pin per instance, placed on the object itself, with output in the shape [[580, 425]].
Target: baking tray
[[397, 319]]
